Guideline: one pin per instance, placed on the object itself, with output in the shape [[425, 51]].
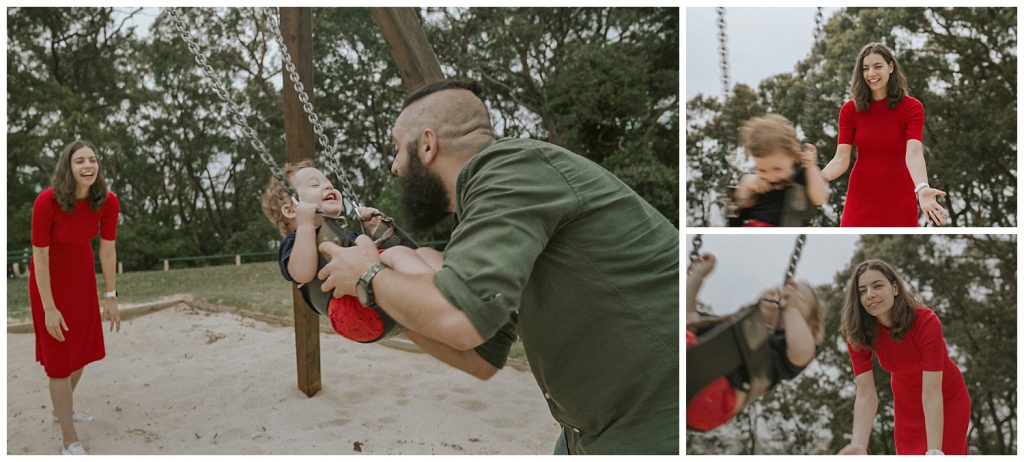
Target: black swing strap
[[740, 341]]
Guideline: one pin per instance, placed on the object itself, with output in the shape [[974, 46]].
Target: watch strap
[[366, 281]]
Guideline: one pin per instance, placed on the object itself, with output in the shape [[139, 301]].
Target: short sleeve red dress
[[922, 349], [72, 280], [881, 191]]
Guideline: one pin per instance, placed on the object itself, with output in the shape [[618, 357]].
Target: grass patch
[[252, 286], [255, 287]]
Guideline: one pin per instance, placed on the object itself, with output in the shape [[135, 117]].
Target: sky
[[749, 264], [761, 42]]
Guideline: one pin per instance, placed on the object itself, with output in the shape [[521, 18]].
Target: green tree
[[189, 180], [64, 81], [602, 82]]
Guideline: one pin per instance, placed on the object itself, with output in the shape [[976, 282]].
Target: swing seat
[[726, 344], [797, 210], [354, 321], [348, 317], [389, 235]]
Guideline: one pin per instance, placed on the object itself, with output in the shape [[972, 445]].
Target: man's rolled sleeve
[[495, 349], [510, 203], [487, 316]]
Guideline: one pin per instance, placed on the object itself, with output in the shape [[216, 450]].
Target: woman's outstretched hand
[[927, 198], [853, 450]]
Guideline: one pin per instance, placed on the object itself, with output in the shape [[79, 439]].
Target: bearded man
[[547, 244]]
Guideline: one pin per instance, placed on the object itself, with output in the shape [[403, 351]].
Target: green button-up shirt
[[592, 271]]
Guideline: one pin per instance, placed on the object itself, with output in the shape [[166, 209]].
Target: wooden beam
[[407, 42], [300, 144]]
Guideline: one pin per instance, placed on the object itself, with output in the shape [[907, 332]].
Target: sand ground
[[190, 381]]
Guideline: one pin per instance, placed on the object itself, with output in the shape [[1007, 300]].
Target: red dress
[[72, 280], [922, 349], [881, 191]]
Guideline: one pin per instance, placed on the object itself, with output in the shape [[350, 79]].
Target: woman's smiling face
[[876, 73], [877, 294], [84, 167]]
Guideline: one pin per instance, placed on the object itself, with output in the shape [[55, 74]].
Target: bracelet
[[920, 186], [934, 452]]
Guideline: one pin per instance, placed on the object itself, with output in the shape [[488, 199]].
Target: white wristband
[[111, 294], [920, 186], [934, 452]]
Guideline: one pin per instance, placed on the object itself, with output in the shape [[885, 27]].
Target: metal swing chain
[[809, 97], [234, 108], [695, 251], [328, 155], [723, 61], [795, 258], [790, 272], [732, 210]]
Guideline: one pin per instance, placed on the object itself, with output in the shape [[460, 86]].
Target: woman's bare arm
[[931, 399], [839, 164], [865, 405]]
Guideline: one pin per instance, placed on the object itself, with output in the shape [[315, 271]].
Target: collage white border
[[684, 230]]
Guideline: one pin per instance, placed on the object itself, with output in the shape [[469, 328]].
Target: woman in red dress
[[62, 278], [932, 407], [889, 179]]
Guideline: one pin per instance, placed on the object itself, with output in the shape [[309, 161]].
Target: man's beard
[[423, 199]]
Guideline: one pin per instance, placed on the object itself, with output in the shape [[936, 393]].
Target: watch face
[[361, 294]]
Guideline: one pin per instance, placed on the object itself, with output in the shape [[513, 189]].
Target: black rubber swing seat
[[335, 231], [726, 344]]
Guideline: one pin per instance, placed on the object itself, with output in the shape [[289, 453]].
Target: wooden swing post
[[297, 31], [407, 42], [417, 64]]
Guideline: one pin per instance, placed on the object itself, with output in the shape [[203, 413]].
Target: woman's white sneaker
[[74, 449]]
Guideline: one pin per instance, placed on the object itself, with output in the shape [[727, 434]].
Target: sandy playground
[[190, 381]]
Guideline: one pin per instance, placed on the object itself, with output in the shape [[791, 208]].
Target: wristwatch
[[364, 288], [112, 294]]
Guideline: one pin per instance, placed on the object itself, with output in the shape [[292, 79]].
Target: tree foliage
[[960, 62], [601, 81], [971, 284]]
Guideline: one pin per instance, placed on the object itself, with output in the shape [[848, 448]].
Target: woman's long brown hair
[[859, 327], [63, 181], [896, 89]]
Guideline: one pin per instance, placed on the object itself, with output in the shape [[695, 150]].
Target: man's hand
[[347, 265]]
